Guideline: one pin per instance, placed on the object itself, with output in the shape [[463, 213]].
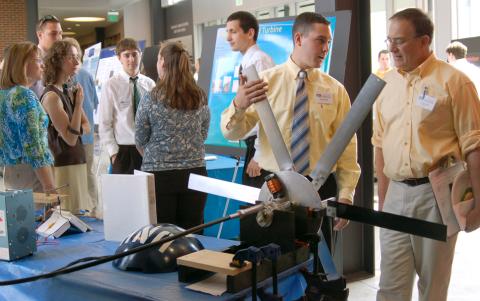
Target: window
[[468, 23]]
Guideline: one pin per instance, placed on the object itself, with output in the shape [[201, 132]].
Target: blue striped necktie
[[300, 145]]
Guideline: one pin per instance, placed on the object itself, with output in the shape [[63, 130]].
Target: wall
[[13, 29], [207, 10], [86, 40], [137, 24], [114, 33], [178, 20], [114, 29], [110, 31]]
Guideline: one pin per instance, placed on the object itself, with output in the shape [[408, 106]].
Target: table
[[222, 168], [104, 282]]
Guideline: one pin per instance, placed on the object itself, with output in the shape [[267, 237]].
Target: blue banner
[[274, 38]]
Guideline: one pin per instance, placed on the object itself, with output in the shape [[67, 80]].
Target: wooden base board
[[212, 261]]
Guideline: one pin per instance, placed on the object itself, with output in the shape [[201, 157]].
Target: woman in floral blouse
[[171, 126], [23, 131]]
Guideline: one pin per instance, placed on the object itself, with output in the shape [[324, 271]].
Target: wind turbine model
[[298, 190], [295, 188]]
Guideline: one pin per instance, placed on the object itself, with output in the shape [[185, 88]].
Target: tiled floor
[[464, 283], [465, 279]]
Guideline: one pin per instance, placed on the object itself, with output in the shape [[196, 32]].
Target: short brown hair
[[177, 88], [15, 64], [246, 20], [383, 51], [53, 61], [459, 50], [420, 21], [304, 21], [126, 44], [44, 20]]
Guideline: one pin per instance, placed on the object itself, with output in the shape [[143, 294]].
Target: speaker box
[[17, 225]]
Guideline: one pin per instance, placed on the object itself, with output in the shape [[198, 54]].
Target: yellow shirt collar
[[422, 69], [294, 69]]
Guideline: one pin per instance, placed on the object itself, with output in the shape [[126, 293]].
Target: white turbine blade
[[269, 123], [360, 108], [223, 188]]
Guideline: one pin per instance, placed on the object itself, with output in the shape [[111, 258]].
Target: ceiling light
[[68, 33], [84, 19]]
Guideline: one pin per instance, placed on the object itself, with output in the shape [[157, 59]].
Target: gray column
[[32, 18]]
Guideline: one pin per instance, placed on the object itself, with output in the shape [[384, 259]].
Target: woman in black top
[[67, 123]]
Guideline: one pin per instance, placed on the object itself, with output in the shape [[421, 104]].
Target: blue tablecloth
[[104, 282], [222, 168]]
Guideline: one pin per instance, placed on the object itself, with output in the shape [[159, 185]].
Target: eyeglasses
[[47, 18], [398, 41]]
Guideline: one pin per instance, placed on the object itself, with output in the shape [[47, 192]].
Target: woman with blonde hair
[[67, 123], [23, 131], [171, 126]]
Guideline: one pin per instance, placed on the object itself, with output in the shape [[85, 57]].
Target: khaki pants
[[91, 175], [76, 178], [404, 255], [21, 176]]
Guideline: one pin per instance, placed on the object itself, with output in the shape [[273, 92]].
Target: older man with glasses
[[427, 112], [49, 31]]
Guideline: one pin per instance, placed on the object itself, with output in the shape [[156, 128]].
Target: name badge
[[426, 102], [323, 98], [123, 104]]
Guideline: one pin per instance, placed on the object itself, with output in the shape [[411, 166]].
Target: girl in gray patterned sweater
[[171, 126]]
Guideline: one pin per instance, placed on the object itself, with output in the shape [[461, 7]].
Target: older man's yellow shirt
[[423, 116], [328, 105]]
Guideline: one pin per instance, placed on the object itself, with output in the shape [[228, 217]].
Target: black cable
[[72, 267], [86, 259]]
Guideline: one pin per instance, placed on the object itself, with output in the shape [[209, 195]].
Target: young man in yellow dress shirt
[[328, 104], [427, 111]]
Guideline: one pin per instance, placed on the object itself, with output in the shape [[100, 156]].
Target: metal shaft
[[360, 108]]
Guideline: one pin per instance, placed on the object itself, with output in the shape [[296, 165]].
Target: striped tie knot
[[302, 74]]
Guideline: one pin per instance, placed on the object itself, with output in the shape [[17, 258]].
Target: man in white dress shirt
[[457, 56], [119, 99], [242, 33]]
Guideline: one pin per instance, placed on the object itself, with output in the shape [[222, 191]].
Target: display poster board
[[219, 73], [91, 58]]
